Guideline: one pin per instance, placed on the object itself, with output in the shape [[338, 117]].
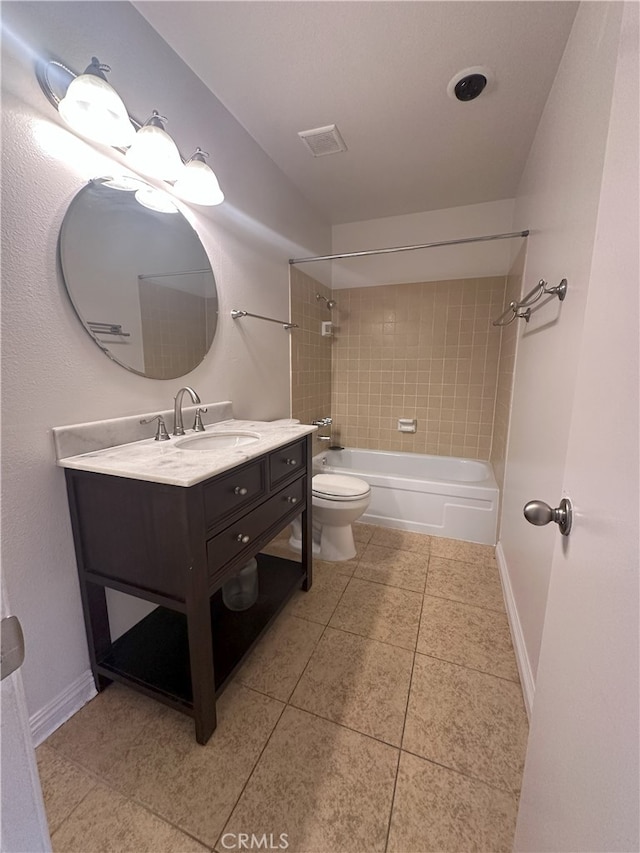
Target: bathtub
[[438, 495]]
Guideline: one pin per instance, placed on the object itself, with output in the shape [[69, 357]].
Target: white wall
[[558, 200], [53, 373], [582, 768], [444, 262]]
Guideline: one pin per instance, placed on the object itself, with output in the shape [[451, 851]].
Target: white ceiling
[[379, 70]]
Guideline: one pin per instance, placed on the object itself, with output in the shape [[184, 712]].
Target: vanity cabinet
[[175, 546]]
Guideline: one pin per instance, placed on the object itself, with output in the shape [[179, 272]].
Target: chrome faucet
[[322, 422], [178, 426]]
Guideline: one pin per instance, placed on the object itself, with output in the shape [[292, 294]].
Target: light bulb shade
[[154, 153], [155, 200], [198, 183], [95, 110]]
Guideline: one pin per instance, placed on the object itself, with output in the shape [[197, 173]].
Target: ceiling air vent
[[323, 140]]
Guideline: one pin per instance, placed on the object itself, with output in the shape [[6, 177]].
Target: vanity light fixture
[[95, 110], [154, 153], [89, 105], [198, 182]]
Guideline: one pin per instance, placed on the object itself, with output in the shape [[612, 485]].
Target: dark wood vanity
[[175, 546]]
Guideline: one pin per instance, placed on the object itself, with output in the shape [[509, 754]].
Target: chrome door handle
[[292, 500], [540, 513], [242, 538], [239, 490]]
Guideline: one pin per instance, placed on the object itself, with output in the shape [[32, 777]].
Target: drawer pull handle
[[291, 461], [292, 500], [242, 537], [239, 490]]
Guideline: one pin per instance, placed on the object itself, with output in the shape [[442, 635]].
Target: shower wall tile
[[421, 350], [175, 333], [506, 364], [310, 353]]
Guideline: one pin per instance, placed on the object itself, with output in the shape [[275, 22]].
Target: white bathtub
[[438, 495]]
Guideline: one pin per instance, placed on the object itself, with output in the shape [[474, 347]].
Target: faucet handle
[[198, 426], [161, 432]]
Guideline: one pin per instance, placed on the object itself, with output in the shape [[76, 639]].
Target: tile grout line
[[457, 770], [406, 711], [285, 705], [106, 783], [470, 668], [255, 764]]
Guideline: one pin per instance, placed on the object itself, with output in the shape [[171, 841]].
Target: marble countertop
[[167, 462]]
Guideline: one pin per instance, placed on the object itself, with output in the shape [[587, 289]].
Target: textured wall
[[425, 351], [558, 200], [53, 373]]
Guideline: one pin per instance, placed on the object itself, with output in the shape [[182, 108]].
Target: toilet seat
[[337, 487]]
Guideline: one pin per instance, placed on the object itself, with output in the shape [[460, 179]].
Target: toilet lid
[[338, 486]]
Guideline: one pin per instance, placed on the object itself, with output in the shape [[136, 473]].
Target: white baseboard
[[522, 659], [45, 721]]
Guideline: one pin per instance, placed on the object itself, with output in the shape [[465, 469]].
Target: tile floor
[[381, 712]]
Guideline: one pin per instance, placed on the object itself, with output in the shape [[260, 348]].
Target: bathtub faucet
[[323, 422]]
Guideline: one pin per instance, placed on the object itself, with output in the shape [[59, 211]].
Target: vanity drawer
[[286, 461], [253, 529], [227, 494]]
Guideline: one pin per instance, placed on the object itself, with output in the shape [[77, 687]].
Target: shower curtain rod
[[410, 248]]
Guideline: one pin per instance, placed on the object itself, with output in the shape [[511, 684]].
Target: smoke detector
[[323, 140], [470, 83]]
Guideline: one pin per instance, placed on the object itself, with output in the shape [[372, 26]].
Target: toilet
[[338, 501]]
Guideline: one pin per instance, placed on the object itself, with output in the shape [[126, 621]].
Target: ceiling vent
[[323, 140]]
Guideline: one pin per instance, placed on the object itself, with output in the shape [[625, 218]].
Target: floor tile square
[[100, 733], [363, 532], [402, 540], [320, 601], [467, 635], [467, 582], [328, 788], [195, 787], [436, 809], [467, 720], [464, 552], [105, 822], [64, 785], [342, 567], [277, 662], [360, 683], [390, 566], [380, 612]]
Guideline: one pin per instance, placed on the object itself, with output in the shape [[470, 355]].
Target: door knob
[[540, 513]]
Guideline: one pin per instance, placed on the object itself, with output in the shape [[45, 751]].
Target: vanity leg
[[307, 528], [201, 663], [96, 620]]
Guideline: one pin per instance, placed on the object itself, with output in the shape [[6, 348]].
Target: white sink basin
[[217, 441]]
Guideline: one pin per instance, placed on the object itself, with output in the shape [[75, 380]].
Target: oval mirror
[[138, 277]]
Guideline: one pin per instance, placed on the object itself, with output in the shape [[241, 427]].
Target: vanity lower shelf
[[154, 655]]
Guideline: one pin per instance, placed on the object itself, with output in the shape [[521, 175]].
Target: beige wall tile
[[310, 352], [419, 350]]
